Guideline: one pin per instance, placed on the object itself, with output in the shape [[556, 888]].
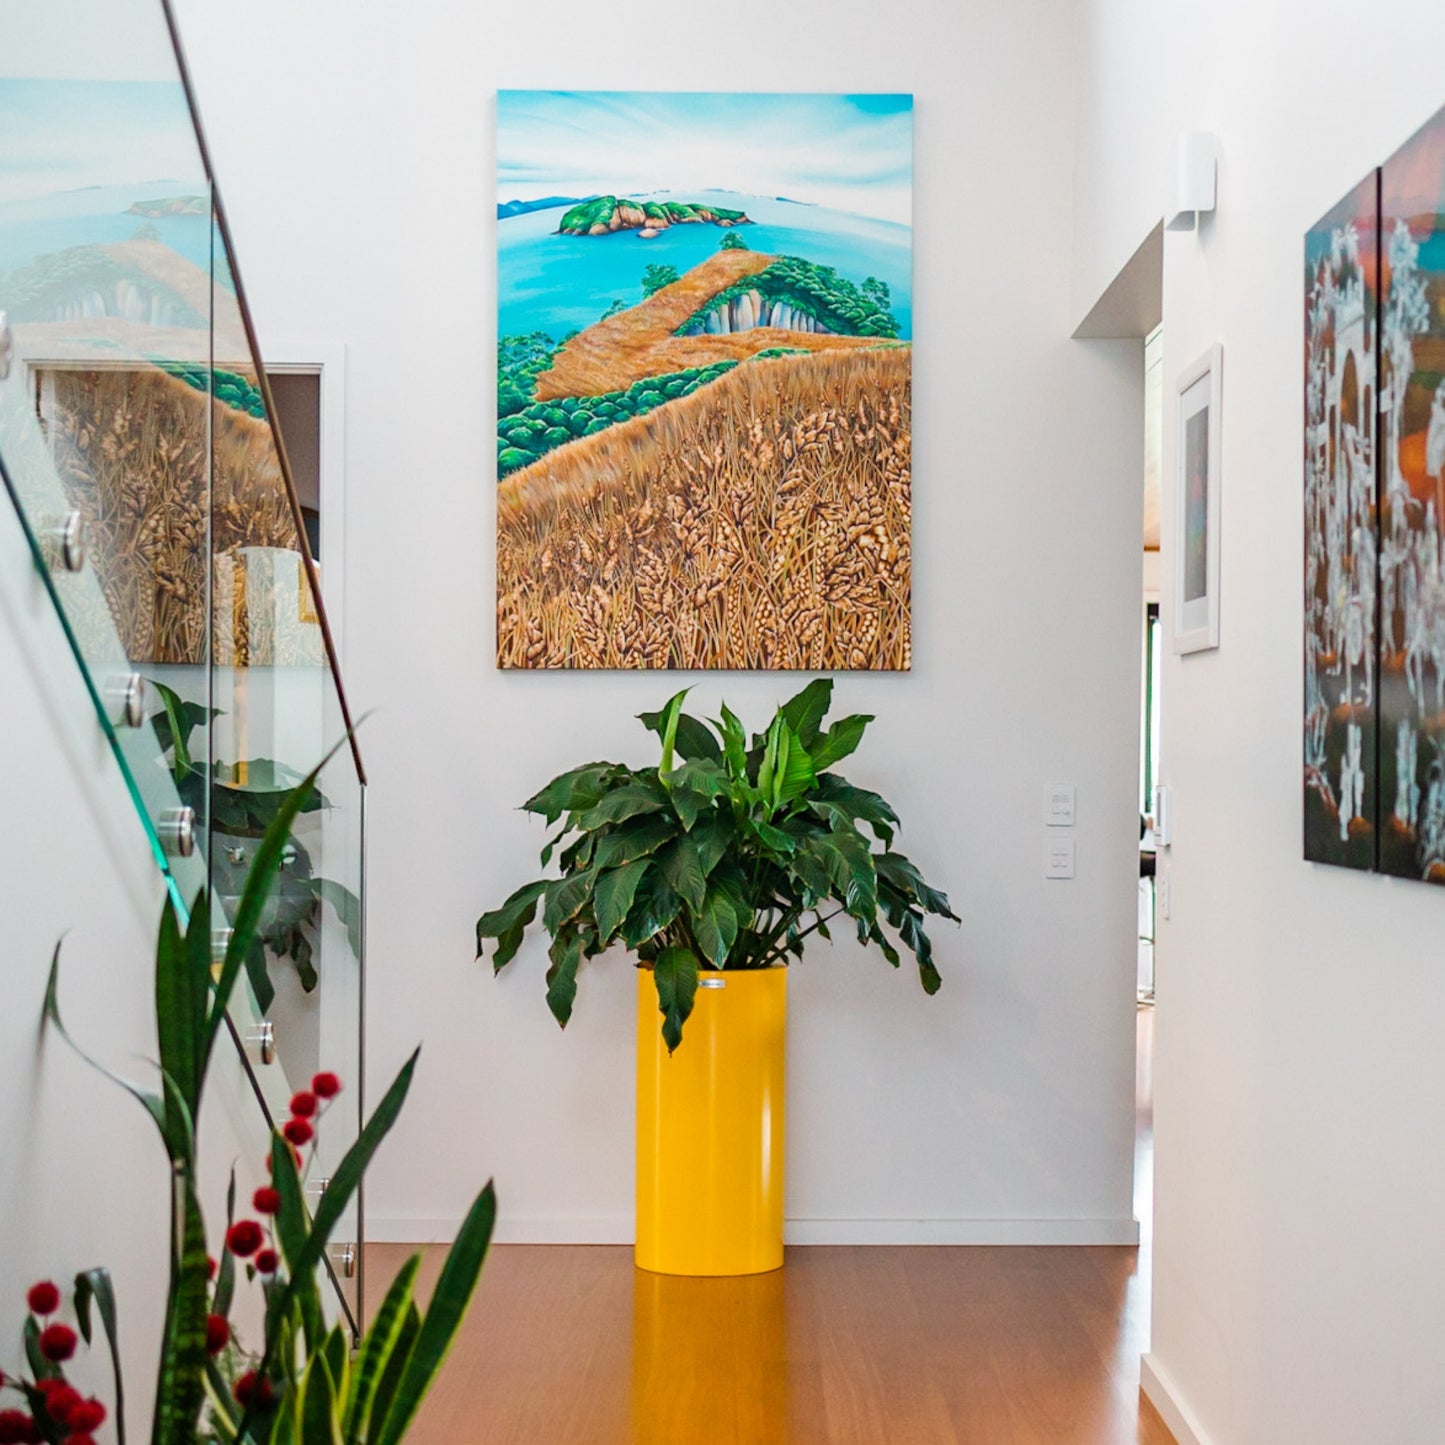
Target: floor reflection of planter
[[710, 1128]]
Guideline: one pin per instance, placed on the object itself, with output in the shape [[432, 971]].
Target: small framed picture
[[1196, 506]]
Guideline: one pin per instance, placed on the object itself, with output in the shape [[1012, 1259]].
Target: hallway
[[900, 1345]]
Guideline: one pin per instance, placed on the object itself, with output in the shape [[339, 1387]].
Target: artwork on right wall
[[1341, 271], [1412, 494], [1374, 706]]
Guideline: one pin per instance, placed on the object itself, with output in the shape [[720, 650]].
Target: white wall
[[1299, 1266], [355, 146]]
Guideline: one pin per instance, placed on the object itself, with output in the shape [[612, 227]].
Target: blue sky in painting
[[63, 135], [849, 152]]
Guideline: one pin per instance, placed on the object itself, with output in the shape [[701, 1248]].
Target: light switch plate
[[1059, 859], [1060, 799]]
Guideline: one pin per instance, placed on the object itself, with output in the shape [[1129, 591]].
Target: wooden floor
[[570, 1345]]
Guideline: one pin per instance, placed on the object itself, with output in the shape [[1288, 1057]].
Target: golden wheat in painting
[[704, 416]]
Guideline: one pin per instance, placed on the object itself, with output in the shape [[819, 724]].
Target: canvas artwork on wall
[[1375, 520], [704, 380], [1412, 588], [1341, 292]]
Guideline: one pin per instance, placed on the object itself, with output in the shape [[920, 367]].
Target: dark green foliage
[[733, 242], [819, 291], [600, 210], [519, 359], [727, 854], [544, 426], [240, 813], [616, 308], [235, 391], [656, 276]]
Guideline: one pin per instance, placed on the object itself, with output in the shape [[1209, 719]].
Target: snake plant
[[304, 1387]]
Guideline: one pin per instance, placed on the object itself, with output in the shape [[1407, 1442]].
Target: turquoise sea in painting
[[98, 216], [559, 284]]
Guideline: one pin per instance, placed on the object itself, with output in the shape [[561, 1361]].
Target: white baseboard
[[962, 1231], [618, 1229], [511, 1229], [1163, 1394]]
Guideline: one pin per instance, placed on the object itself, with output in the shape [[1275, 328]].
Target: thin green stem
[[813, 927]]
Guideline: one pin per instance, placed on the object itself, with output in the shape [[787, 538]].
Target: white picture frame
[[1197, 504]]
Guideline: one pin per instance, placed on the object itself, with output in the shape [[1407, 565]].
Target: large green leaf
[[394, 1369], [566, 956], [715, 926], [735, 752], [904, 876], [293, 1229], [566, 897], [613, 894], [834, 799], [682, 867], [840, 740], [95, 1284], [320, 1418], [655, 905], [507, 923], [182, 986], [627, 801], [674, 971], [910, 930], [712, 838], [850, 869], [805, 711], [376, 1350], [181, 1386], [692, 739], [635, 839], [702, 775], [303, 1257], [572, 792], [444, 1314], [794, 773]]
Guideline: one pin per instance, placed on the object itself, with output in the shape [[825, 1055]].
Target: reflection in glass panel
[[133, 409]]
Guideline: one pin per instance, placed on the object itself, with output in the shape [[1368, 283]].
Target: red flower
[[253, 1389], [61, 1402], [80, 1440], [266, 1200], [244, 1238], [43, 1298], [57, 1343], [16, 1427], [218, 1334], [267, 1262], [85, 1416], [326, 1085], [298, 1132], [303, 1105]]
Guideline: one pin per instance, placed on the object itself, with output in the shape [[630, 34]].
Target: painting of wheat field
[[704, 362]]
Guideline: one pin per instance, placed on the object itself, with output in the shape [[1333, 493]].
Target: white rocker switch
[[1059, 805], [1060, 862]]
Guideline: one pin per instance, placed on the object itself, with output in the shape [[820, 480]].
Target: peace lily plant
[[726, 855]]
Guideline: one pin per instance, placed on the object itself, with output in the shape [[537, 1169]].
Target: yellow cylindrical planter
[[710, 1127]]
